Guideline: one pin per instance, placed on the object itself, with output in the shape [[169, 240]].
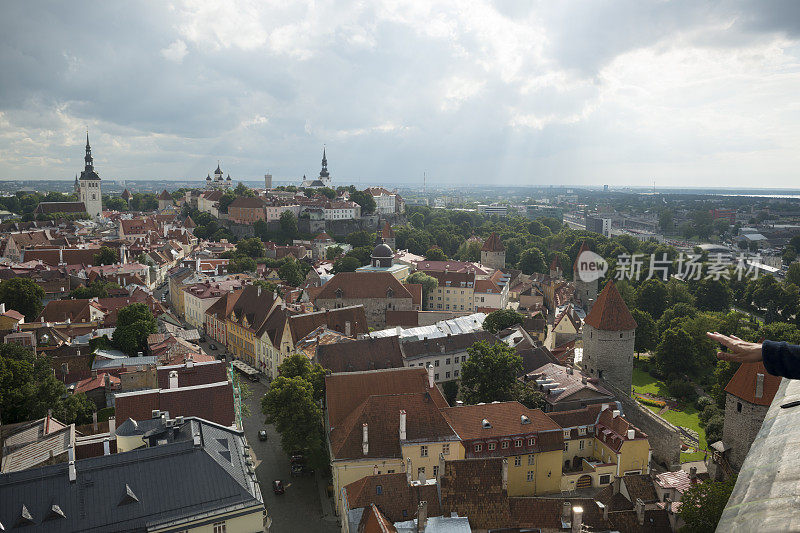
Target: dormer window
[[389, 293], [339, 292], [566, 433]]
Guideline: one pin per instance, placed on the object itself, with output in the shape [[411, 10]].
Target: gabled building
[[376, 291]]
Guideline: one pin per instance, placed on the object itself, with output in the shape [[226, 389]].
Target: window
[[504, 445], [600, 373], [531, 441], [478, 447], [530, 475], [518, 443], [436, 362], [580, 445], [390, 471], [447, 375], [605, 479], [566, 433], [531, 459], [423, 451], [517, 461], [582, 430], [738, 407], [491, 446], [463, 358], [566, 446], [436, 377], [436, 471], [405, 513], [420, 472], [447, 361], [378, 489], [219, 527], [445, 449], [455, 373]]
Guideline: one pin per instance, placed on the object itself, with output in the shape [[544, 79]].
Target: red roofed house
[[377, 291], [747, 397], [609, 332], [493, 253], [99, 388]]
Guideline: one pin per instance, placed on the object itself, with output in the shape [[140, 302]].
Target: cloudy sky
[[686, 93]]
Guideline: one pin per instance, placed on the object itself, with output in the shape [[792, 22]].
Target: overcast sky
[[684, 93]]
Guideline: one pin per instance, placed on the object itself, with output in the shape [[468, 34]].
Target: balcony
[[768, 487]]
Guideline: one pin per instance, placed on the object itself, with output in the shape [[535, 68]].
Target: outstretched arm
[[780, 358]]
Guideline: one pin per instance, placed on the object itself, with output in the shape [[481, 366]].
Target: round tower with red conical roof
[[609, 333], [493, 253]]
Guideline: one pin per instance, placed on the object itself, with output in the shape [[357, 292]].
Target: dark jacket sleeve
[[781, 359]]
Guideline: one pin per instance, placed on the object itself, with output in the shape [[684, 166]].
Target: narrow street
[[299, 509]]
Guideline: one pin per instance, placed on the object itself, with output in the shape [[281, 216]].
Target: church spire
[[324, 172], [88, 158]]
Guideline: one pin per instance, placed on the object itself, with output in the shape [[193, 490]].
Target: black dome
[[382, 250]]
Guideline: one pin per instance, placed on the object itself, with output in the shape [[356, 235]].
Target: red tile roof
[[493, 244], [344, 392], [373, 521], [361, 355], [196, 374], [363, 285], [584, 248], [89, 384], [213, 402], [743, 384], [395, 496], [609, 312]]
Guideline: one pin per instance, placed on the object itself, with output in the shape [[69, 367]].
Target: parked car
[[299, 469], [297, 458], [277, 487], [262, 435]]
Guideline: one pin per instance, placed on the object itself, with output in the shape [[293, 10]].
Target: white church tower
[[89, 185]]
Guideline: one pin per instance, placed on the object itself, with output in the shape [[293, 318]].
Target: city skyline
[[578, 94]]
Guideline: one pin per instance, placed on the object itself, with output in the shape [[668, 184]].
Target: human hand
[[741, 351]]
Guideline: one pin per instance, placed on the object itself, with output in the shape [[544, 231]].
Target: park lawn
[[688, 418], [644, 383]]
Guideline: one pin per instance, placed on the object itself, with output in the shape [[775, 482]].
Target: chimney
[[94, 421], [408, 470], [423, 479], [584, 380], [399, 330], [668, 504], [430, 375], [505, 473], [615, 484], [365, 439], [347, 328], [403, 424], [631, 434], [2, 308], [441, 465], [106, 446], [759, 385], [71, 459], [615, 413], [375, 470], [196, 439], [604, 509], [107, 380], [640, 511], [173, 379], [94, 373], [422, 516], [693, 474], [189, 362], [577, 519], [112, 425]]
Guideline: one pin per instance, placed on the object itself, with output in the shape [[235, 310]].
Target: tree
[[268, 286], [435, 253], [429, 283], [713, 295], [96, 289], [106, 256], [365, 200], [347, 263], [290, 272], [288, 226], [531, 260], [675, 354], [360, 238], [298, 365], [646, 332], [665, 221], [528, 396], [22, 295], [28, 388], [501, 319], [489, 373], [793, 274], [242, 263], [327, 192], [651, 296], [332, 252], [703, 503], [251, 247], [134, 323], [115, 203], [418, 220], [289, 405], [227, 199], [243, 190]]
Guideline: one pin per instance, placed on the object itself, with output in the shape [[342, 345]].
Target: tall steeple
[[324, 172], [88, 157]]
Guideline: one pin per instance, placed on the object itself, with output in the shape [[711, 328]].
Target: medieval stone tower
[[585, 291], [609, 332], [89, 185], [493, 253]]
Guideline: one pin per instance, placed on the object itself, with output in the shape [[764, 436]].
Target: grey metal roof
[[767, 491], [100, 364], [136, 490]]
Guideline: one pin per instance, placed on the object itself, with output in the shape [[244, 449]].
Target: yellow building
[[386, 421], [455, 292], [255, 322], [530, 441], [599, 445]]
